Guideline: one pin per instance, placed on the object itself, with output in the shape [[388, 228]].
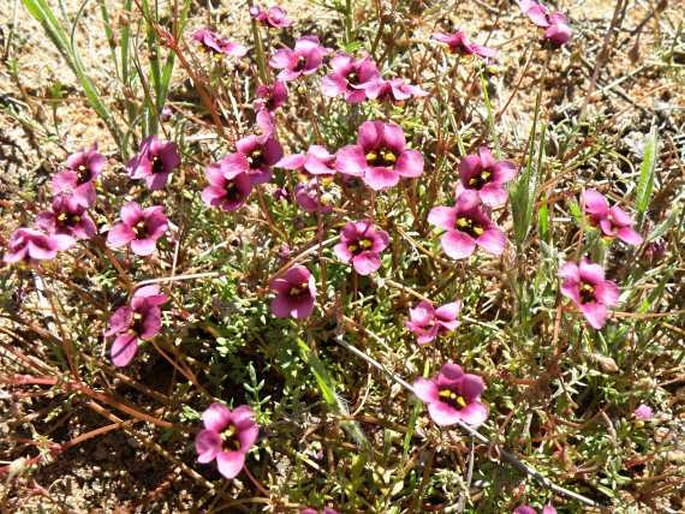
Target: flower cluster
[[68, 219]]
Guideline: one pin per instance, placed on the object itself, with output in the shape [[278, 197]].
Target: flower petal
[[230, 463], [216, 417], [207, 446], [457, 245]]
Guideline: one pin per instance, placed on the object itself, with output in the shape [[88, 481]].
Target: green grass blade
[[645, 184], [327, 387], [46, 17]]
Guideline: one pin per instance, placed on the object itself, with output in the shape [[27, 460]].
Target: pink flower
[[67, 216], [467, 225], [453, 396], [295, 293], [78, 177], [228, 188], [304, 59], [141, 228], [350, 77], [271, 96], [380, 156], [427, 322], [557, 30], [481, 173], [527, 509], [218, 45], [393, 90], [30, 245], [141, 320], [459, 44], [315, 194], [612, 221], [643, 412], [317, 161], [274, 16], [227, 437], [584, 283], [255, 155], [360, 243], [155, 161]]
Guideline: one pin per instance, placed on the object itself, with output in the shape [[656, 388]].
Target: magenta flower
[[255, 155], [78, 177], [295, 293], [459, 43], [67, 216], [584, 283], [483, 174], [271, 96], [275, 16], [227, 437], [155, 161], [316, 194], [141, 320], [304, 59], [612, 221], [527, 509], [453, 396], [643, 412], [394, 90], [350, 77], [141, 228], [228, 188], [317, 161], [557, 30], [380, 156], [31, 245], [360, 243], [427, 322], [217, 45], [467, 225], [311, 510]]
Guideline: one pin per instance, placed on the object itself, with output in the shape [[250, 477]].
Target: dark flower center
[[157, 165], [140, 229], [353, 78], [298, 291], [479, 180], [230, 438], [68, 219], [381, 157], [587, 293], [301, 63], [256, 159], [470, 226], [83, 174], [136, 327], [232, 192], [360, 245], [452, 399]]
